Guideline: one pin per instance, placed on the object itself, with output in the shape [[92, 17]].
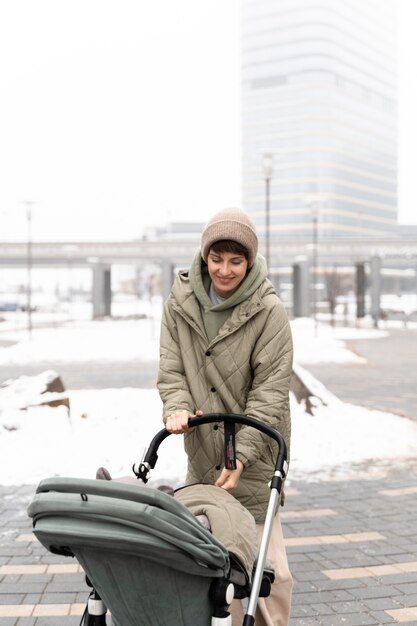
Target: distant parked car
[[8, 306]]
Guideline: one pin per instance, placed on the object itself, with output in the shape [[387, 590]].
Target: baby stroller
[[145, 555]]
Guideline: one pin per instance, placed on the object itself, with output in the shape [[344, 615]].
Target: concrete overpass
[[172, 251], [179, 251]]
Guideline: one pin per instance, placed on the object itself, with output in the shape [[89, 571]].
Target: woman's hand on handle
[[229, 479], [177, 422]]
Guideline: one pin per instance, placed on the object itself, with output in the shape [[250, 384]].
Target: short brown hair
[[227, 245]]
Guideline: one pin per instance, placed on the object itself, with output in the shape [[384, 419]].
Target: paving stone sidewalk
[[352, 548], [360, 566]]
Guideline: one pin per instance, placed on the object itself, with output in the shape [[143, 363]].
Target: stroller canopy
[[126, 519], [144, 551]]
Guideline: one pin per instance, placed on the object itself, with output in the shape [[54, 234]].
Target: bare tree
[[337, 283]]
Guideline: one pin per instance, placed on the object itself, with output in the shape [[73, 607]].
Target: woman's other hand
[[178, 422], [229, 479]]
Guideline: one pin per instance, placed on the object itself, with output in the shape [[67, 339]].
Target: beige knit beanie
[[233, 225]]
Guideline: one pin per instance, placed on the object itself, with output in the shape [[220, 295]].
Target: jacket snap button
[[208, 353], [215, 427], [218, 467], [213, 389]]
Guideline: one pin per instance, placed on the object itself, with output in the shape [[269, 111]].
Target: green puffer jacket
[[245, 369]]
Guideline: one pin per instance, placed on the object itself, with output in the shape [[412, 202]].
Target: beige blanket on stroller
[[230, 522]]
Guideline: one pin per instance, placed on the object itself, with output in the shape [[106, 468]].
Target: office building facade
[[319, 94]]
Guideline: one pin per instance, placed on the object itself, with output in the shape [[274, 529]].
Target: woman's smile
[[227, 270]]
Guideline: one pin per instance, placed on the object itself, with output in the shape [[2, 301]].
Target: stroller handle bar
[[229, 419]]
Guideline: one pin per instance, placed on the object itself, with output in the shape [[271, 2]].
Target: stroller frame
[[276, 484], [224, 578]]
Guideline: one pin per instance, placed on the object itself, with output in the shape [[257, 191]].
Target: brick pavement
[[352, 548], [369, 579]]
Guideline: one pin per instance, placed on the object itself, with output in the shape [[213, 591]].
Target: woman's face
[[227, 270]]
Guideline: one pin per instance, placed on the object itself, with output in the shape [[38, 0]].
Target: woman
[[226, 347]]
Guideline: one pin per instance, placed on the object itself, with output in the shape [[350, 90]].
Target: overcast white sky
[[114, 115]]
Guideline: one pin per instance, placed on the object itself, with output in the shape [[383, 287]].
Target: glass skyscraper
[[319, 94]]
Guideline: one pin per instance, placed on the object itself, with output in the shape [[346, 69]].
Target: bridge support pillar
[[101, 290], [360, 286], [375, 288], [167, 278], [301, 288]]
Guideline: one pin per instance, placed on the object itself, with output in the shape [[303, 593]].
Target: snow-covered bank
[[111, 427]]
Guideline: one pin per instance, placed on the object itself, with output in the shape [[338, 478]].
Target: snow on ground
[[85, 341], [112, 427], [107, 340], [327, 345]]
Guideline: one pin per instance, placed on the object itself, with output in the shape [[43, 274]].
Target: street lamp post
[[28, 204], [315, 202], [267, 161], [315, 215]]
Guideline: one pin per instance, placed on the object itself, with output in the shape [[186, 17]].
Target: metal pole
[[29, 267], [69, 289], [314, 281], [267, 161], [267, 228]]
